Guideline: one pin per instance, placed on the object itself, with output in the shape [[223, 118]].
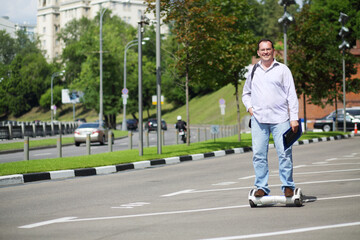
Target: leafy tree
[[7, 48], [267, 13], [315, 59], [81, 56], [234, 48], [45, 100], [23, 74], [214, 42], [196, 25]]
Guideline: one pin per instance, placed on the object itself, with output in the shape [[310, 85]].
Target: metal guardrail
[[27, 129]]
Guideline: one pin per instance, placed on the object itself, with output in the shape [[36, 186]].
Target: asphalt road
[[119, 144], [203, 199]]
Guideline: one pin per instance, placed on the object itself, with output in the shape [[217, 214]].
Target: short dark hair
[[265, 40]]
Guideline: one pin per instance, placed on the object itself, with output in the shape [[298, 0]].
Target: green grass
[[127, 156], [207, 105], [33, 143]]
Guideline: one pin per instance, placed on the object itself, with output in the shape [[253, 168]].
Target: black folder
[[289, 137]]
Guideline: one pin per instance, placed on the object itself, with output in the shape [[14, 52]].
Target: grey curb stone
[[63, 174]]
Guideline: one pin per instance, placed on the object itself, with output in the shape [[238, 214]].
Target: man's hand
[[294, 125], [251, 111]]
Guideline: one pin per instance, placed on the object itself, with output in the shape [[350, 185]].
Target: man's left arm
[[292, 100]]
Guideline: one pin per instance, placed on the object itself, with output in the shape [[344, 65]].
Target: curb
[[64, 174]]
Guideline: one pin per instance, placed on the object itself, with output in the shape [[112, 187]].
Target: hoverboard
[[296, 199]]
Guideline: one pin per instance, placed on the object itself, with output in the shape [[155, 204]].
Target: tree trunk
[[187, 106], [237, 109], [304, 102], [336, 117]]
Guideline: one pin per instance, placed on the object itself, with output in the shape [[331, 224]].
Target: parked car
[[151, 125], [97, 133], [132, 124], [326, 123], [355, 111]]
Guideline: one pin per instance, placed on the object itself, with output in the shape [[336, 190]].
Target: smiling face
[[266, 52]]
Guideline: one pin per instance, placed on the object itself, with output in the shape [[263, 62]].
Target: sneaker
[[288, 192], [260, 193]]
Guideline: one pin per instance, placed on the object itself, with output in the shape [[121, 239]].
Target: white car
[[97, 133]]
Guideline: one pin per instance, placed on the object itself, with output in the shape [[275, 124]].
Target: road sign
[[154, 99], [222, 109], [125, 97], [222, 101], [125, 91], [214, 129]]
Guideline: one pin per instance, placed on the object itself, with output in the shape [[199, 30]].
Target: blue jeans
[[260, 145]]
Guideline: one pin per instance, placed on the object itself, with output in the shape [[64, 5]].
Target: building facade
[[53, 15], [10, 27]]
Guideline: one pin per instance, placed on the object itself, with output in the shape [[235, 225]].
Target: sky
[[19, 11]]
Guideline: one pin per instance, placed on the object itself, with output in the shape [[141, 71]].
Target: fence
[[12, 130]]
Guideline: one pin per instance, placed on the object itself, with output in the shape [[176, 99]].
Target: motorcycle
[[182, 134]]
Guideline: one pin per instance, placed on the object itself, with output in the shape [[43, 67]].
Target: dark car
[[355, 111], [151, 125], [132, 124], [326, 123]]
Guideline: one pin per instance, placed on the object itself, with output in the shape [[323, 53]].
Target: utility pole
[[143, 21], [343, 32], [286, 19], [102, 11], [158, 78]]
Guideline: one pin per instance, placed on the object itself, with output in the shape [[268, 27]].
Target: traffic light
[[286, 18], [343, 31], [286, 2]]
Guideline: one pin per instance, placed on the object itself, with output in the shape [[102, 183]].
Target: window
[[44, 29], [44, 3]]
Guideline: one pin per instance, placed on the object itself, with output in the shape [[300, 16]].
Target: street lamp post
[[128, 45], [55, 74], [144, 20], [158, 78], [102, 12]]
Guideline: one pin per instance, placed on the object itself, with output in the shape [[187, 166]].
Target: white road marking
[[132, 205], [241, 188], [223, 183], [42, 154], [291, 231], [331, 164], [305, 173], [75, 219], [178, 193], [248, 177], [59, 220], [330, 198], [332, 171], [350, 156], [299, 166]]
